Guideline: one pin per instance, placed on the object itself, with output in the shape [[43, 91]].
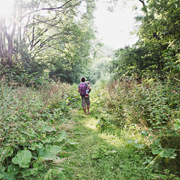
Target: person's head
[[88, 82], [83, 79]]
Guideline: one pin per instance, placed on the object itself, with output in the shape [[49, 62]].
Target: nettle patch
[[24, 156], [30, 134], [152, 108]]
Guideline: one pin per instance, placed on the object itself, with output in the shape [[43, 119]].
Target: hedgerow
[[152, 109]]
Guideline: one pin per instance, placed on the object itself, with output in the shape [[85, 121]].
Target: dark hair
[[83, 79]]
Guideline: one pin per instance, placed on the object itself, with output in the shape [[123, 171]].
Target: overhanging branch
[[142, 2], [45, 9]]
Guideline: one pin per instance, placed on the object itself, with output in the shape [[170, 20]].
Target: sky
[[6, 7], [114, 27]]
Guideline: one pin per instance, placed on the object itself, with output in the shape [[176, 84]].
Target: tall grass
[[28, 118], [152, 107]]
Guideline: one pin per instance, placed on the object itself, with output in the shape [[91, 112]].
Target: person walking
[[82, 89]]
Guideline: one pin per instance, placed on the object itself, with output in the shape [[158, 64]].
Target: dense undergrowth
[[151, 108], [29, 135], [144, 117]]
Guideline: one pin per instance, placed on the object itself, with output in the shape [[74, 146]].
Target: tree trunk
[[10, 51], [2, 44], [1, 48]]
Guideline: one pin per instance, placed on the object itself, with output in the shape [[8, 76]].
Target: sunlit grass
[[91, 123], [114, 137], [103, 155], [111, 139]]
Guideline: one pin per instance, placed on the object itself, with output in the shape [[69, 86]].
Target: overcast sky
[[114, 27]]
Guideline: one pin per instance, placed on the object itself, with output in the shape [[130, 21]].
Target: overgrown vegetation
[[145, 89], [151, 108], [30, 128], [136, 132], [44, 137], [157, 51]]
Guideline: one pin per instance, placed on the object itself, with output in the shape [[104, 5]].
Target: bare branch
[[55, 8], [39, 21], [142, 2], [14, 19]]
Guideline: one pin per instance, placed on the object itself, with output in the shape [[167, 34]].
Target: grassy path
[[93, 155]]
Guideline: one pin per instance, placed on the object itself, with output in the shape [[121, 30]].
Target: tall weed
[[153, 108], [28, 119]]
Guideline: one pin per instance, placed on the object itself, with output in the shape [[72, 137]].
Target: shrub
[[28, 119], [153, 107]]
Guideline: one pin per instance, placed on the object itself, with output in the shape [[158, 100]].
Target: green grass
[[96, 155], [82, 151]]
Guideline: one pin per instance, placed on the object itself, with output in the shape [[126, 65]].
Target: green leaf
[[54, 149], [48, 128], [1, 175], [144, 133], [169, 152], [46, 155], [156, 143], [23, 158], [35, 146], [171, 132], [2, 169], [62, 136], [13, 169], [46, 140], [6, 176], [157, 151], [177, 126], [49, 152], [139, 146]]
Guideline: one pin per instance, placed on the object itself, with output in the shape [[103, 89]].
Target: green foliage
[[108, 155], [157, 50], [151, 105], [71, 59], [23, 158], [49, 152], [104, 121], [17, 77], [152, 108], [29, 134], [56, 43]]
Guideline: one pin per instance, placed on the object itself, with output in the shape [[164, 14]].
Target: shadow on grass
[[96, 155]]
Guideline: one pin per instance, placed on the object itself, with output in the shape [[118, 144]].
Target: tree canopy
[[158, 47], [48, 36]]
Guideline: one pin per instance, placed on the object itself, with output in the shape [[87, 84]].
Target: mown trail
[[91, 156], [96, 155]]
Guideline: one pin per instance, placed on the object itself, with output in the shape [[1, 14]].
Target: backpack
[[83, 88]]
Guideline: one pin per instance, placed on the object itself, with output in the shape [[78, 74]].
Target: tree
[[157, 48], [7, 35], [159, 31], [48, 33]]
